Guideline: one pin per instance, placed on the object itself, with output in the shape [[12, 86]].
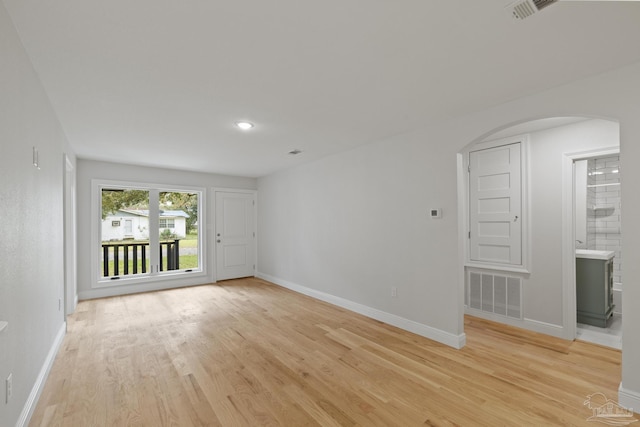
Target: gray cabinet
[[594, 289]]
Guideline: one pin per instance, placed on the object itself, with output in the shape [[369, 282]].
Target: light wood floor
[[249, 353]]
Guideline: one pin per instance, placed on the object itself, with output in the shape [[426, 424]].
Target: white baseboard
[[452, 340], [127, 289], [32, 400], [629, 399], [528, 324], [546, 328]]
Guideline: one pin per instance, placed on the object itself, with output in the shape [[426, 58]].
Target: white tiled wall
[[603, 209]]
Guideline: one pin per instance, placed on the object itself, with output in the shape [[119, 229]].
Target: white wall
[[543, 290], [89, 169], [355, 224], [31, 209]]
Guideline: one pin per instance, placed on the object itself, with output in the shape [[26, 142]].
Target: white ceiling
[[159, 82]]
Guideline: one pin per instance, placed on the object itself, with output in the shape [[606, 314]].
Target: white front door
[[495, 205], [235, 234]]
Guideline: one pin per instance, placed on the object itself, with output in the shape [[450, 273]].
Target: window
[[161, 236], [167, 223]]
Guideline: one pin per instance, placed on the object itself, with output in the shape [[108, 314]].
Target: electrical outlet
[[9, 387], [394, 291]]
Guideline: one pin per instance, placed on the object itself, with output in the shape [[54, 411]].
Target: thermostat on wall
[[436, 213]]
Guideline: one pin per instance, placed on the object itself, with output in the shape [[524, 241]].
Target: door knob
[[218, 240]]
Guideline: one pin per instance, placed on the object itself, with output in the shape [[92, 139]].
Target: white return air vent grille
[[493, 293], [522, 9]]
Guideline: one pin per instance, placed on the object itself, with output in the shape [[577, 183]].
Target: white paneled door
[[495, 205], [235, 234]]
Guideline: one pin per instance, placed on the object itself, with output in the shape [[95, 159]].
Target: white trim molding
[[568, 236], [452, 340], [628, 399], [32, 400], [164, 283], [528, 324]]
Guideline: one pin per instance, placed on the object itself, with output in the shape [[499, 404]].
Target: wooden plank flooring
[[249, 353]]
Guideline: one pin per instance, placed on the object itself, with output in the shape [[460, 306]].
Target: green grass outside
[[190, 241]]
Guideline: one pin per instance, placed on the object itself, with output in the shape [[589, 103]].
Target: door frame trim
[[568, 234], [214, 247], [70, 297]]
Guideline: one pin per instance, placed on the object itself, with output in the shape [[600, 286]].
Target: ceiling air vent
[[522, 9]]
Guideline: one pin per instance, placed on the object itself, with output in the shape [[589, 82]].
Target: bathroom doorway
[[598, 248]]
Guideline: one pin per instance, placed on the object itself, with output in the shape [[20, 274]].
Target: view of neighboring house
[[134, 224]]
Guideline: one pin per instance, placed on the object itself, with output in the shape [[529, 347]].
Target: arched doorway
[[546, 276]]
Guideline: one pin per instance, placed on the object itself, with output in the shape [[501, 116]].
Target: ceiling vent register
[[522, 9]]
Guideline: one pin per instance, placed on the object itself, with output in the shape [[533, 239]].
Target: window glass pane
[[124, 232], [179, 231]]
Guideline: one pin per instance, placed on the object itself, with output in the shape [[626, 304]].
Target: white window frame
[[166, 223], [154, 275], [524, 267]]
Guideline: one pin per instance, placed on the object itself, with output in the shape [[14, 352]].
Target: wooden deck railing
[[136, 254]]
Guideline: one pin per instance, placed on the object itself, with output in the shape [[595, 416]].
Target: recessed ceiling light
[[244, 125], [295, 152]]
